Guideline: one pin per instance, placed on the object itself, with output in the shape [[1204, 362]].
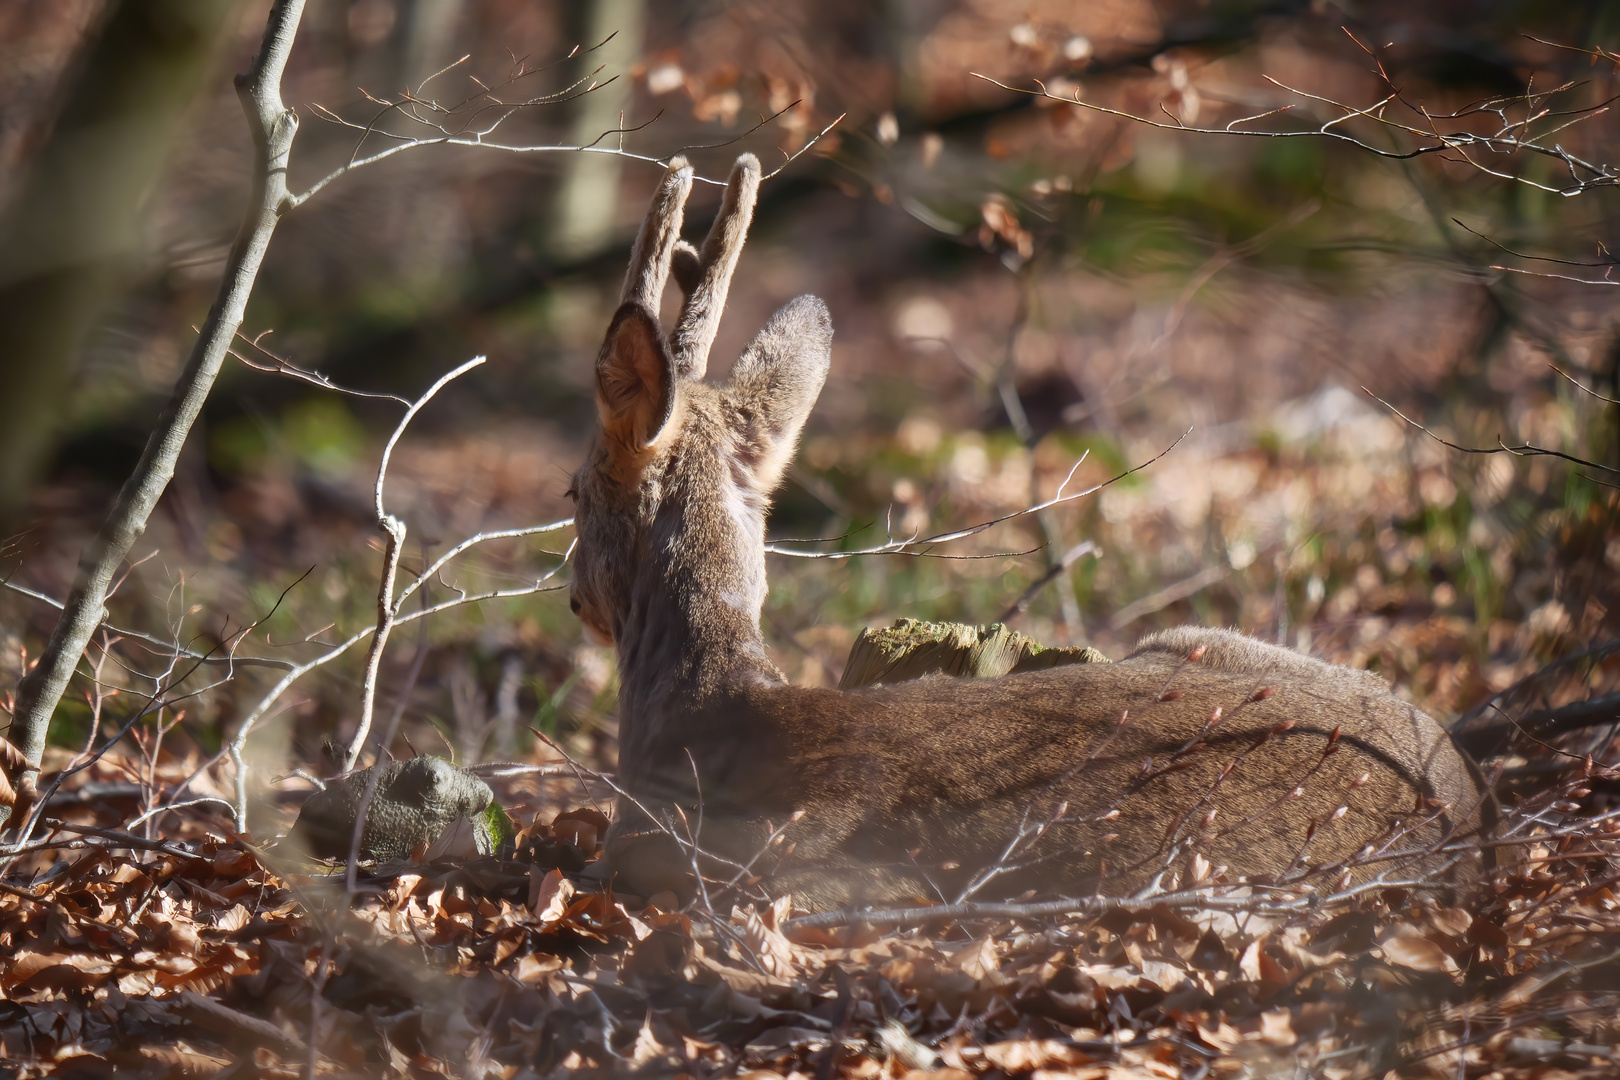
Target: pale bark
[[588, 194]]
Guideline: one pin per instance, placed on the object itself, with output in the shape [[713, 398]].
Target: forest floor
[[176, 946]]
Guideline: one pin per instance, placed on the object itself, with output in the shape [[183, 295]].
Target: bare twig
[[166, 807], [913, 546], [394, 531], [172, 648], [1577, 715], [1168, 595], [474, 121], [124, 839], [1512, 135], [33, 803], [1522, 450], [1590, 656], [1070, 557], [280, 365], [362, 810], [1577, 384]]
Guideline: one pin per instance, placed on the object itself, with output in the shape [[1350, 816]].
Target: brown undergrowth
[[203, 954]]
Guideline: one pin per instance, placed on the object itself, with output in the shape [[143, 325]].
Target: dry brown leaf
[[184, 1059], [779, 911], [128, 873], [1418, 953], [12, 763], [532, 968], [741, 980], [137, 983], [981, 961], [647, 1047], [913, 974], [1249, 962], [1110, 977], [774, 951], [787, 1036], [400, 892], [1024, 1055], [1277, 1028], [1163, 975], [1439, 1055], [25, 966], [1223, 1036], [174, 963], [507, 944], [583, 828], [233, 919], [1304, 958], [553, 897], [1453, 922]]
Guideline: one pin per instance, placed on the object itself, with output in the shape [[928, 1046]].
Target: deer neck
[[691, 632]]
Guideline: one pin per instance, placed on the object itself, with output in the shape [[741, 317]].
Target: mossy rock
[[912, 648]]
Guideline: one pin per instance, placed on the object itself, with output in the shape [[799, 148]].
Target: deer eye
[[571, 494]]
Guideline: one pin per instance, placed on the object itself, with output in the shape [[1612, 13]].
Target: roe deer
[[1102, 777]]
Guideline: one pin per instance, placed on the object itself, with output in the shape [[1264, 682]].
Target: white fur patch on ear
[[635, 380]]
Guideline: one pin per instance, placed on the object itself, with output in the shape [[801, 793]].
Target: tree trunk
[[72, 237]]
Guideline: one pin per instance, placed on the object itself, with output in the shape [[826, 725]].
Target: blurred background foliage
[[1016, 284]]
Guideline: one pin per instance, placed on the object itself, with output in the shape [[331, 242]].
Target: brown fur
[[1200, 743]]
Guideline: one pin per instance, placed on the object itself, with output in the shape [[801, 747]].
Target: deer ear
[[775, 384], [635, 380]]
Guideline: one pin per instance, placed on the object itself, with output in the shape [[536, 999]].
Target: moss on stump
[[911, 648]]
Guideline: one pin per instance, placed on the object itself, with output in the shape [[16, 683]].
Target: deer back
[[1203, 752], [1170, 765]]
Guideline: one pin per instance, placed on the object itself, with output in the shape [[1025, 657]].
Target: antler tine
[[649, 263], [700, 316]]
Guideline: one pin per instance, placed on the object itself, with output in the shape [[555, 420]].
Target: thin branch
[[31, 804], [1577, 384], [394, 529], [1512, 136], [1522, 450], [1070, 557], [165, 808], [282, 366], [459, 136], [410, 414], [121, 838], [170, 647], [1168, 595], [909, 546], [1555, 277], [1483, 739], [1610, 263], [362, 810]]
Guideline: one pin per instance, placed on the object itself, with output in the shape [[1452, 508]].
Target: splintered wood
[[911, 648]]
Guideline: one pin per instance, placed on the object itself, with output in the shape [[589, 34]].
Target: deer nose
[[573, 604]]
